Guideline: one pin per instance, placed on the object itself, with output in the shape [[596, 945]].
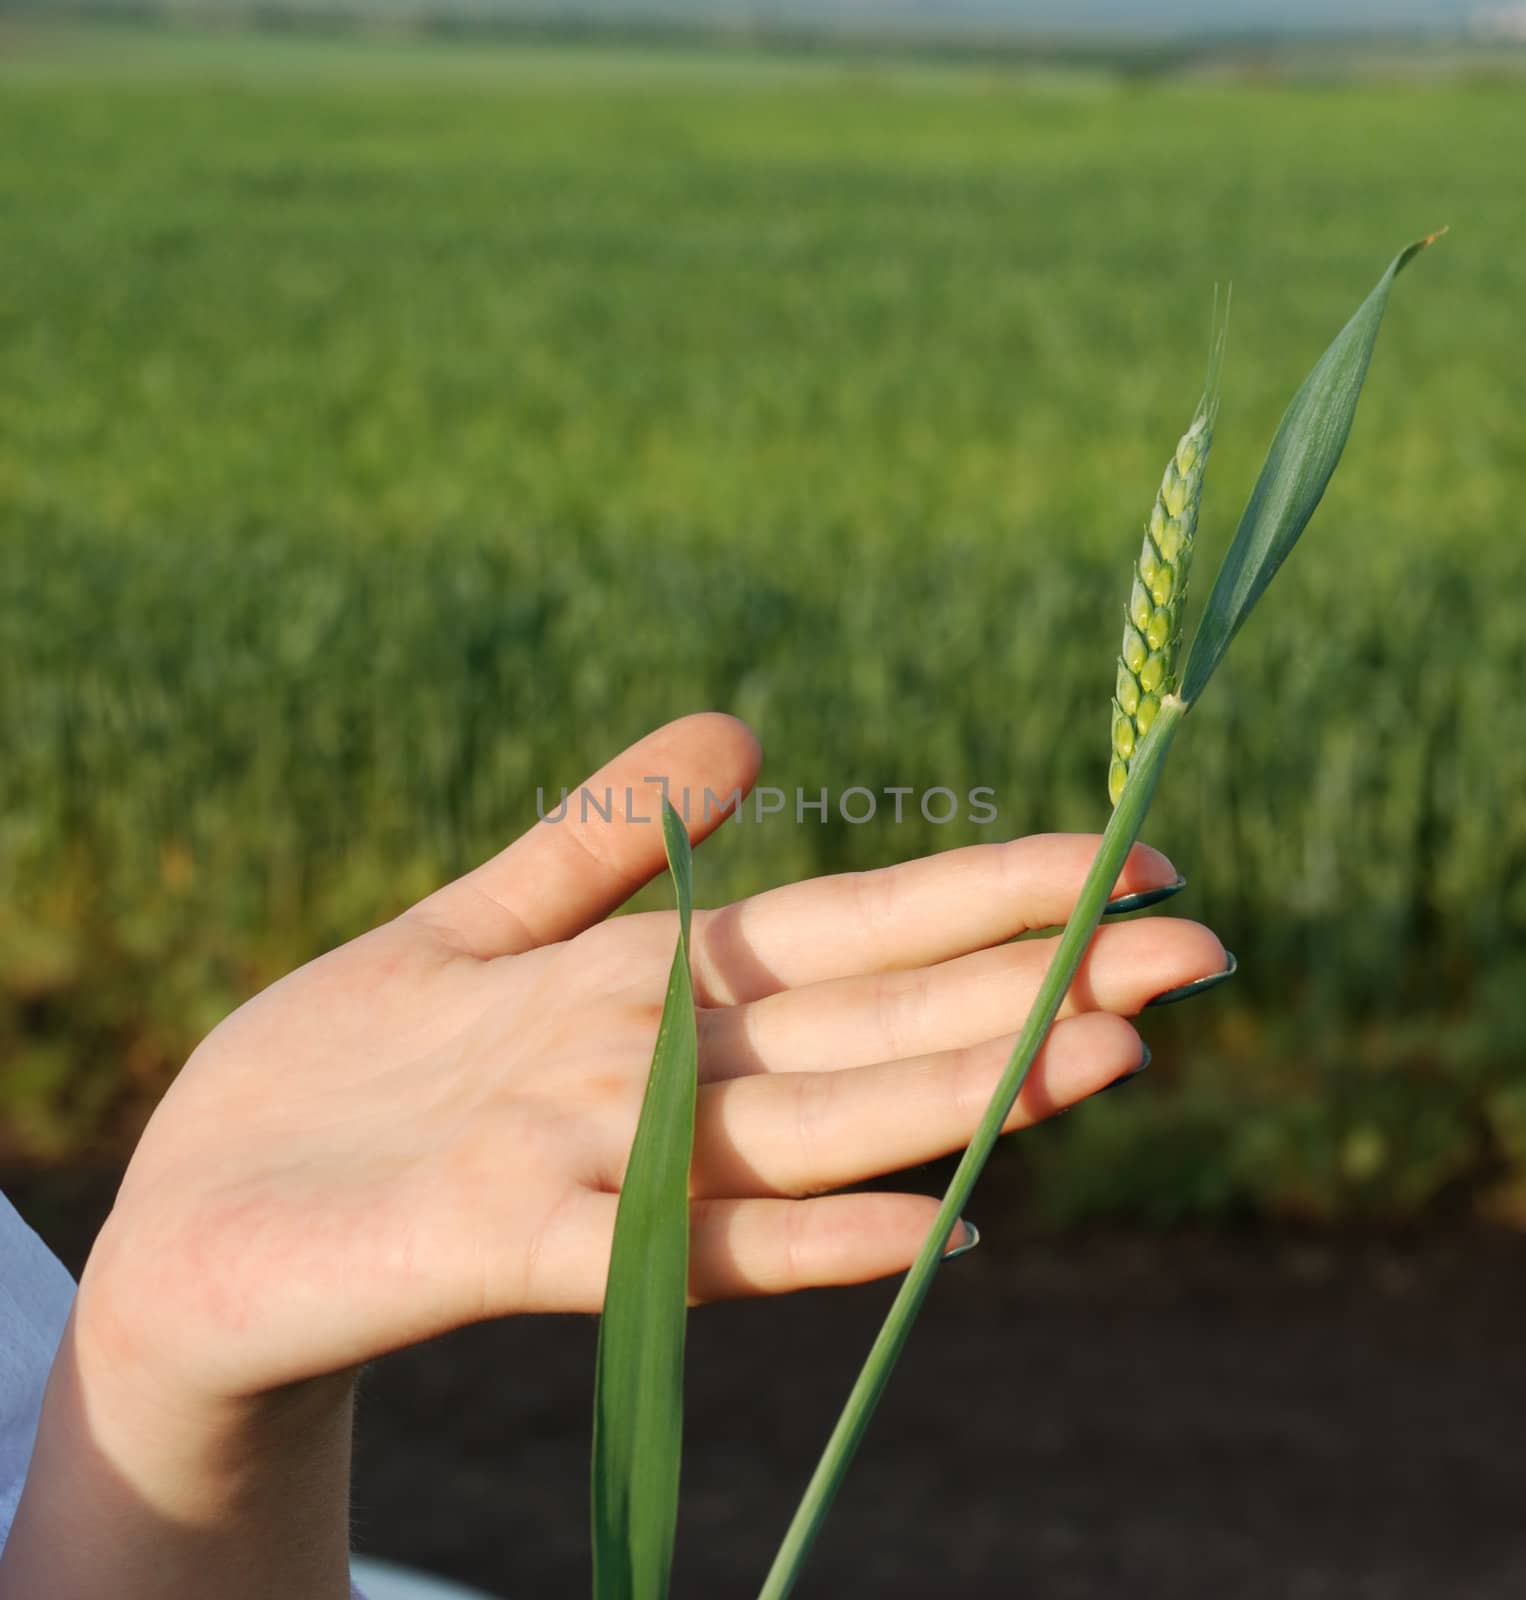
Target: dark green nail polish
[[971, 1239], [1200, 986], [1133, 1072], [1145, 897]]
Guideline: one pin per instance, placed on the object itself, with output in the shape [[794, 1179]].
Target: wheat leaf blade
[[1304, 454], [638, 1386]]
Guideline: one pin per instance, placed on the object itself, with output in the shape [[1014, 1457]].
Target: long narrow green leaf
[[638, 1390], [1304, 453]]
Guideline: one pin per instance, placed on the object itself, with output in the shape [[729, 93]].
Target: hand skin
[[427, 1127]]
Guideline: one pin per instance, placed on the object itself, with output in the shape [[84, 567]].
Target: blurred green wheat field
[[389, 429]]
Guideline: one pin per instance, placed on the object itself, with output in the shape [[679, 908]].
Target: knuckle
[[877, 900], [796, 1258], [969, 1081], [900, 1006], [815, 1095]]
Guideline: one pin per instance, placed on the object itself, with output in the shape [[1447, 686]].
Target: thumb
[[576, 866]]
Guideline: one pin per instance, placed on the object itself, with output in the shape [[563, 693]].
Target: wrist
[[197, 1455], [145, 1489]]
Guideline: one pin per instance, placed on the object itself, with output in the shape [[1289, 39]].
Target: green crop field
[[389, 428]]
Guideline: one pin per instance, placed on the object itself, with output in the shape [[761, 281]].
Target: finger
[[890, 1016], [568, 872], [910, 915], [802, 1132], [736, 1248], [753, 1247]]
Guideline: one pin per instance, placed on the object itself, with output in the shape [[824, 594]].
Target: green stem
[[1117, 839]]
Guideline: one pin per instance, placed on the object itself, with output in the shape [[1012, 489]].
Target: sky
[[1138, 17], [1236, 15], [1230, 15]]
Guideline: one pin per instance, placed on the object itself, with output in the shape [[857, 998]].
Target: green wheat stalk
[[1303, 455]]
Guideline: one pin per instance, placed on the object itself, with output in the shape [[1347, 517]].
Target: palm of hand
[[428, 1126]]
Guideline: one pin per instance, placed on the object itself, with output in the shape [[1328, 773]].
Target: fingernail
[[1133, 1072], [1200, 986], [971, 1237], [1145, 897]]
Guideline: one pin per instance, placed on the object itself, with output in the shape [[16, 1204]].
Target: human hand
[[429, 1125]]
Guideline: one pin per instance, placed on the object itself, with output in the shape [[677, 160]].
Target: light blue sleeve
[[35, 1296], [386, 1581]]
